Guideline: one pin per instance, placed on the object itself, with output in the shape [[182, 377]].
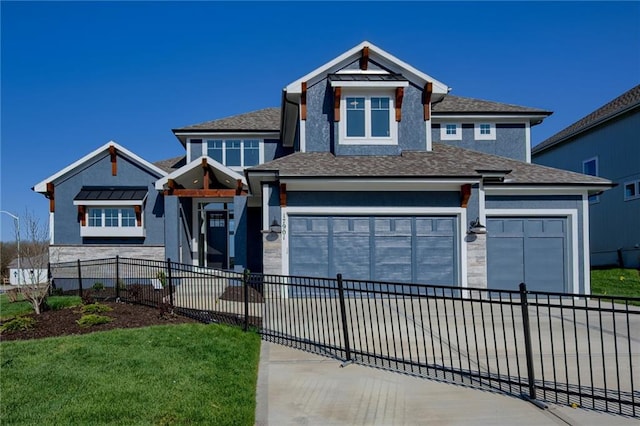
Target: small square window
[[450, 131], [485, 131], [632, 190], [590, 167]]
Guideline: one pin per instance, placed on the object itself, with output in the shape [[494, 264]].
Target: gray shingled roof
[[457, 104], [267, 120], [624, 102], [443, 161], [171, 164]]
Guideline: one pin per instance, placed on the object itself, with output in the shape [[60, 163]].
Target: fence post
[[79, 279], [170, 281], [117, 276], [524, 303], [245, 285], [343, 315]]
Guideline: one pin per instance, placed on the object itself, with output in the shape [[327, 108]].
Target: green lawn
[[161, 375], [616, 282], [9, 310]]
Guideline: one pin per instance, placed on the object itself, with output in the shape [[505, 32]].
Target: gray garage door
[[527, 249], [382, 248]]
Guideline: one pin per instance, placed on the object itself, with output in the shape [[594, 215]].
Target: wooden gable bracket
[[238, 186], [399, 96], [364, 59], [426, 100], [303, 101], [336, 104], [51, 196], [81, 216], [283, 195], [465, 194], [206, 175], [114, 160], [171, 184], [138, 211]]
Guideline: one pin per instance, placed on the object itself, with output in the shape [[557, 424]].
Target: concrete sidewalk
[[300, 388]]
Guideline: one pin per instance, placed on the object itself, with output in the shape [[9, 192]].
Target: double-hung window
[[368, 119], [590, 167], [234, 152]]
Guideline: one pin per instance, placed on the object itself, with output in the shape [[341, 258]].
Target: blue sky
[[76, 75]]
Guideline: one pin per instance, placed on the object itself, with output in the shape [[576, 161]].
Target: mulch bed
[[236, 294], [62, 322]]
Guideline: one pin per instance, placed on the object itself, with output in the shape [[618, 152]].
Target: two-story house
[[369, 168], [605, 143]]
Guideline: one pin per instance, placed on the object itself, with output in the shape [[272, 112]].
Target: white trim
[[459, 212], [303, 135], [477, 133], [482, 213], [230, 135], [195, 232], [42, 186], [51, 228], [498, 118], [447, 137], [375, 53], [586, 245], [540, 190], [370, 84], [112, 231], [230, 173], [265, 206], [367, 139], [429, 136], [108, 203], [636, 187], [571, 215], [527, 139], [364, 184]]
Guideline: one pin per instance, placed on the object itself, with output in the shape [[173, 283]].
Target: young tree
[[34, 256]]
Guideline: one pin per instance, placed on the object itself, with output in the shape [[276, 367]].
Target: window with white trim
[[632, 190], [112, 221], [450, 131], [484, 131], [368, 118], [590, 167], [234, 152]]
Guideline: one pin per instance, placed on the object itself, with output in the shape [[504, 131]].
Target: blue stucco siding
[[172, 228], [240, 232], [319, 126], [510, 139], [273, 149], [534, 206], [195, 148], [98, 173]]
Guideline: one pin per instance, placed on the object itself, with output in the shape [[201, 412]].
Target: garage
[[419, 249], [533, 250]]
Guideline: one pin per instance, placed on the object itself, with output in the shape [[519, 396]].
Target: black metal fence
[[562, 348]]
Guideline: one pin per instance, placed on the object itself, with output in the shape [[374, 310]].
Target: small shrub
[[135, 292], [97, 286], [165, 309], [95, 308], [87, 297], [92, 319], [162, 277], [18, 324], [57, 292], [60, 302]]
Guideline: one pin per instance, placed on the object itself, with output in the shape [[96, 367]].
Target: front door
[[217, 244]]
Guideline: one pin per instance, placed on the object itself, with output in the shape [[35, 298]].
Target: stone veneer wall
[[72, 253], [476, 260], [272, 262]]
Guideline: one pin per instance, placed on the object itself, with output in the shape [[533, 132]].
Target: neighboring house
[[606, 143], [29, 270], [369, 168]]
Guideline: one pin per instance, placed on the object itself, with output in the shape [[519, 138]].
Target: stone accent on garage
[[476, 260], [59, 254]]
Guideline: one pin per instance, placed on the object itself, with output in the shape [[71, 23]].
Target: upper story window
[[368, 119], [234, 152], [485, 131], [590, 167], [632, 190], [451, 131]]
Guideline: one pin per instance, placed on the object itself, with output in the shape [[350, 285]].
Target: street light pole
[[17, 219]]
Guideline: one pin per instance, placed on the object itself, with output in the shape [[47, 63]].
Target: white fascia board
[[375, 53], [231, 174], [226, 135], [369, 84], [42, 186], [256, 179], [499, 118], [375, 184], [538, 190]]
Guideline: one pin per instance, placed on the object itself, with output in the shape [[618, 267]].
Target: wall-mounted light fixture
[[275, 226], [475, 227]]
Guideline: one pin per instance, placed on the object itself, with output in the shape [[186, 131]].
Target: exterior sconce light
[[275, 227], [475, 227]]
